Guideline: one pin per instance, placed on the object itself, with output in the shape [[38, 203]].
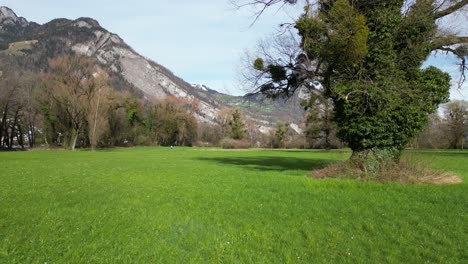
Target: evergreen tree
[[237, 125], [281, 133]]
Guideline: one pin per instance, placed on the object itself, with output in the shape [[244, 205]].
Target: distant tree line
[[449, 130], [74, 104]]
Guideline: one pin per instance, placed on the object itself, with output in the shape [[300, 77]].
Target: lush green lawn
[[209, 206]]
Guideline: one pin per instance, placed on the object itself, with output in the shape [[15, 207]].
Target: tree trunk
[[372, 161], [3, 126], [74, 139], [11, 137], [20, 136], [93, 137], [6, 139], [13, 132], [46, 141], [31, 137], [32, 130]]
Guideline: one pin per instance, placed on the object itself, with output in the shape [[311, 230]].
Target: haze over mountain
[[129, 70]]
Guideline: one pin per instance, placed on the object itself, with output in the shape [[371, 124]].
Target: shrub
[[296, 142], [200, 143], [229, 143], [405, 171]]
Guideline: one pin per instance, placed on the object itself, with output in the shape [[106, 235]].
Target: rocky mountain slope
[[132, 71]]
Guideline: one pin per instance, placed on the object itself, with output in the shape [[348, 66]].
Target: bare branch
[[261, 6], [463, 69], [440, 43], [451, 9], [461, 54], [263, 3]]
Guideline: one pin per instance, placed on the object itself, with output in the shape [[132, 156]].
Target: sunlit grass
[[18, 48], [184, 205]]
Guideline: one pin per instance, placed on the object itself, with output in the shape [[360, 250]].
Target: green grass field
[[157, 205]]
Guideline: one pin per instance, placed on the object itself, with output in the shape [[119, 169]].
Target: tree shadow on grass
[[451, 153], [444, 153], [267, 163]]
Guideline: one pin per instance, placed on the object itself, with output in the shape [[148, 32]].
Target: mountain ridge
[[8, 16], [143, 76]]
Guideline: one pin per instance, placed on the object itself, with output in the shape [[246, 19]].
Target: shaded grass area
[[271, 163], [214, 206]]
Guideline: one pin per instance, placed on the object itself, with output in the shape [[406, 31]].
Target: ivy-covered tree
[[368, 56]]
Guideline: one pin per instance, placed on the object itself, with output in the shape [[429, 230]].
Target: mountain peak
[[87, 22], [7, 12], [8, 17]]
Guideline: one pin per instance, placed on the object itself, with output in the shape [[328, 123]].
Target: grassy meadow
[[183, 205], [19, 48]]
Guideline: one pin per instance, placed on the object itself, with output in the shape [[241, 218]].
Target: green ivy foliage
[[370, 56]]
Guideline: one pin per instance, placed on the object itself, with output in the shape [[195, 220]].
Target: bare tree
[[12, 110], [434, 136], [223, 118], [171, 122], [28, 94], [280, 51], [456, 123], [98, 109], [72, 86]]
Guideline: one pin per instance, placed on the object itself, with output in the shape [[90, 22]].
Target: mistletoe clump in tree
[[368, 56]]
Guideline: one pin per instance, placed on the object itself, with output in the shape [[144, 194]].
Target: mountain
[[8, 17], [129, 70]]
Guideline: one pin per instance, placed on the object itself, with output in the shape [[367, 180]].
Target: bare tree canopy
[[443, 41]]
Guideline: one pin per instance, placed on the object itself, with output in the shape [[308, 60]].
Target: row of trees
[[73, 105], [450, 130], [18, 108]]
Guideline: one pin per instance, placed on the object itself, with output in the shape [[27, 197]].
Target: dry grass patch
[[229, 143], [406, 171]]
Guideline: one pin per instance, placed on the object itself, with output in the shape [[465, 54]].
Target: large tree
[[368, 56], [18, 109], [98, 108], [73, 91], [171, 122]]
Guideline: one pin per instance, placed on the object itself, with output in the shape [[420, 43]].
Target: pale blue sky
[[200, 41]]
